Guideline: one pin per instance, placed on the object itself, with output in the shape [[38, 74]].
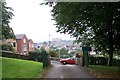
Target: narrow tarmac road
[[59, 70]]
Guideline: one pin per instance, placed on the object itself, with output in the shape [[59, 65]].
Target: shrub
[[34, 55], [116, 62], [102, 61], [7, 47]]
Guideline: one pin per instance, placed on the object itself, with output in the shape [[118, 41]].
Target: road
[[59, 70]]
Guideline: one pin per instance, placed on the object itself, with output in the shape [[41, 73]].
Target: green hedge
[[102, 61], [13, 55], [116, 62], [7, 47], [34, 55]]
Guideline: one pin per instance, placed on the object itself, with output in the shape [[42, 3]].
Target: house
[[31, 45], [22, 44], [13, 42]]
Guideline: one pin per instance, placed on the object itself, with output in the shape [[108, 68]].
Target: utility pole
[[59, 52]]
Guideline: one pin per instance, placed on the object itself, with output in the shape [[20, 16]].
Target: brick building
[[22, 44], [13, 42], [31, 45]]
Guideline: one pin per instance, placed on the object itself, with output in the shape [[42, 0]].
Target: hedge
[[34, 55], [13, 55], [102, 61]]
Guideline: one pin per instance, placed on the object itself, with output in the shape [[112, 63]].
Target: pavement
[[61, 71]]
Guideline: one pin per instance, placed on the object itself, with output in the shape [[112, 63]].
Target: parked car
[[67, 61]]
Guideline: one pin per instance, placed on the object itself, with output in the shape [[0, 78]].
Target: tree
[[63, 51], [6, 16], [53, 53], [91, 23]]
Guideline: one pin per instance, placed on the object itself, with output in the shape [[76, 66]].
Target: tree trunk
[[110, 52], [110, 58], [110, 35], [111, 42]]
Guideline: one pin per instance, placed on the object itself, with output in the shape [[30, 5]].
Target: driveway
[[59, 70]]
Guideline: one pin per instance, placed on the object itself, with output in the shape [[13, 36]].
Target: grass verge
[[104, 71], [45, 72], [0, 68], [17, 68]]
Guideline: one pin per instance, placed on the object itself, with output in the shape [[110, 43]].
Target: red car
[[67, 61]]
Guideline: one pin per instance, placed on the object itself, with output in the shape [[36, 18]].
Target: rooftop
[[19, 36]]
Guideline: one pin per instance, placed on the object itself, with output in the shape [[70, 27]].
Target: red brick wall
[[20, 43], [19, 46], [31, 48]]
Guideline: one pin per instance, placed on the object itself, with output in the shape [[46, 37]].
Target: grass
[[17, 68], [0, 67], [105, 71]]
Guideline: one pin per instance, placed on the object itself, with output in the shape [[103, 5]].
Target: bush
[[102, 61], [7, 47], [116, 62], [34, 55]]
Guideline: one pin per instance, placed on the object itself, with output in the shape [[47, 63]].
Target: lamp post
[[59, 52]]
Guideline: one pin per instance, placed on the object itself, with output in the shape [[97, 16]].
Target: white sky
[[34, 20]]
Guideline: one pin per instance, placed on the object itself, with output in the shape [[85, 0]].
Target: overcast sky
[[34, 20]]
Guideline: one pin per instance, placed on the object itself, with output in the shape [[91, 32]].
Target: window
[[14, 44], [24, 47], [24, 40]]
